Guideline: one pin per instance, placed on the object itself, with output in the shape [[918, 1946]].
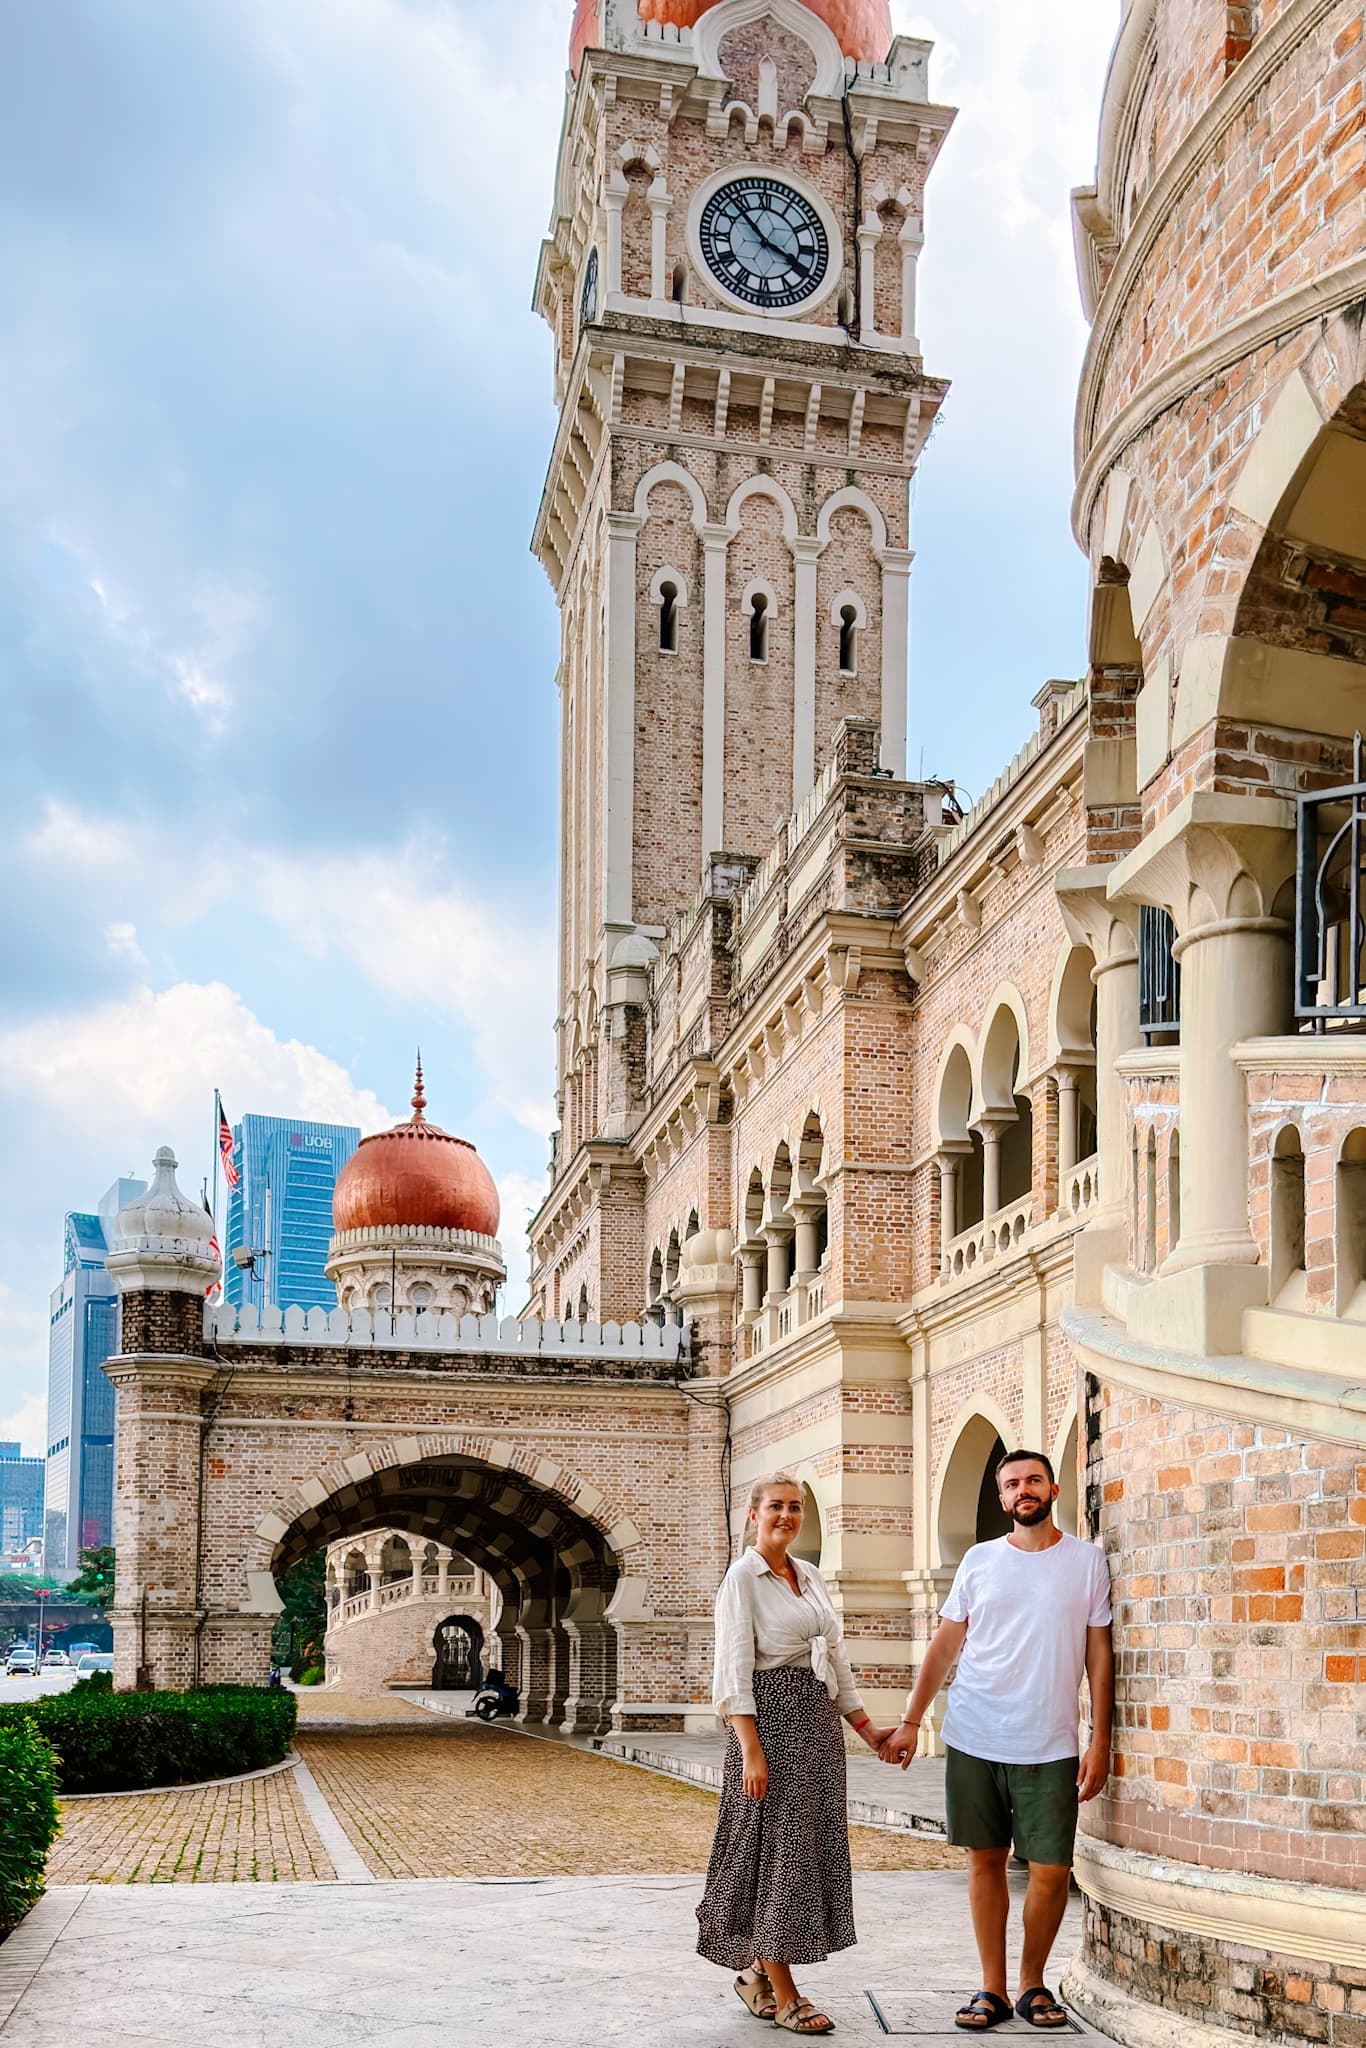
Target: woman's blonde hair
[[767, 1485]]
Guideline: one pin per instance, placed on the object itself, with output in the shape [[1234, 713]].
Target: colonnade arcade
[[555, 1571]]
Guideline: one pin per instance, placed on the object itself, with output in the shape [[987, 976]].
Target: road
[[13, 1690]]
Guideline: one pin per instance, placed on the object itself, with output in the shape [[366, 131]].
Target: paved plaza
[[549, 1963]]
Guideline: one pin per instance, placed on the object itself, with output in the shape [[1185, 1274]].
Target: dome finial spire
[[419, 1099]]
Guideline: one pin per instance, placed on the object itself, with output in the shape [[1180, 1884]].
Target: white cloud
[[143, 1071], [521, 1195], [23, 1358], [418, 935]]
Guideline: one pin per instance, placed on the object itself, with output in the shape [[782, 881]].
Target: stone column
[[716, 542], [991, 1168], [443, 1575], [896, 615], [752, 1271], [1108, 926], [623, 530], [1069, 1125], [659, 203], [807, 1210], [806, 554], [869, 235], [912, 239], [536, 1641], [1219, 864], [950, 1206], [592, 1664], [776, 1236], [614, 199]]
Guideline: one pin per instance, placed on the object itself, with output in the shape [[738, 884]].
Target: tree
[[96, 1582], [297, 1638]]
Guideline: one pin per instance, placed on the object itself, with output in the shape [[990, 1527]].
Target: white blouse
[[762, 1625]]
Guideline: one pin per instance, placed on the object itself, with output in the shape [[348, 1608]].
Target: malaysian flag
[[213, 1293], [226, 1148]]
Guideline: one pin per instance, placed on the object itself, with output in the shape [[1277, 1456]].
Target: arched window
[[420, 1297], [668, 618], [1351, 1227], [1287, 1216], [1150, 1204], [758, 627], [678, 285], [1173, 1192], [583, 1304], [848, 641]]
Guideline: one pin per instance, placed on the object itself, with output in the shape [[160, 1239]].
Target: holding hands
[[898, 1745]]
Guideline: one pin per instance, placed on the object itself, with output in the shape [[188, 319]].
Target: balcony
[[1330, 936], [996, 1237]]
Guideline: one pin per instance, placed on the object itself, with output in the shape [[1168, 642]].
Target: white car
[[55, 1660], [20, 1664], [94, 1660]]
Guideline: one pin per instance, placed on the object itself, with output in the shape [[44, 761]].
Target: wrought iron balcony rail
[[1330, 880], [1159, 978]]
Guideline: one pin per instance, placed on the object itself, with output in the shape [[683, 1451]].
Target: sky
[[278, 782]]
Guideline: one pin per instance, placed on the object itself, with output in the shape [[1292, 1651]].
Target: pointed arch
[[762, 487], [671, 473], [852, 499]]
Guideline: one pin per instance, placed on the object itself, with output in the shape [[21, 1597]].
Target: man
[[1024, 1616]]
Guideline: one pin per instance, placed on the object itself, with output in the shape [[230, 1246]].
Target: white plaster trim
[[852, 599], [671, 473], [1334, 1053], [762, 487], [679, 582], [1317, 297], [819, 37], [758, 588], [851, 498], [1319, 1922], [763, 316]]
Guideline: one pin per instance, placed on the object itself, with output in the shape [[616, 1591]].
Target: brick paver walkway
[[488, 1802], [256, 1832]]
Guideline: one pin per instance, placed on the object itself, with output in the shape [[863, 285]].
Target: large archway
[[967, 1507], [556, 1570], [457, 1654]]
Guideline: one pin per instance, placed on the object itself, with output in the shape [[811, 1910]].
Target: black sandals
[[1039, 2008], [983, 2010]]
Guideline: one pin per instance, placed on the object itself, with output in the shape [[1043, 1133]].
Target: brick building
[[888, 1134]]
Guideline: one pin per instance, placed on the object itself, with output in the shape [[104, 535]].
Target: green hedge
[[130, 1741], [28, 1818]]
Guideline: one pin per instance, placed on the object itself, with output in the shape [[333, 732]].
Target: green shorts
[[1033, 1804]]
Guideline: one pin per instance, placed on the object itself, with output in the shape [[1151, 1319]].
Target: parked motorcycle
[[495, 1699]]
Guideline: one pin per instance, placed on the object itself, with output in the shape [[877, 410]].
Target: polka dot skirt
[[779, 1885]]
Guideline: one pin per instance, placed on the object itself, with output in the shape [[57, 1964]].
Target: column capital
[[896, 561], [625, 525], [1106, 925], [716, 538], [1214, 861], [806, 547]]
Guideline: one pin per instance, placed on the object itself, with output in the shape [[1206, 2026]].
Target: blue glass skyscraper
[[83, 1332], [282, 1207]]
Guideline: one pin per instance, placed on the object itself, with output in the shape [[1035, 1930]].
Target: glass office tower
[[281, 1209], [21, 1498], [83, 1332]]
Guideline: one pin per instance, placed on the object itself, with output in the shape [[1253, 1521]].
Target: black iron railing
[[1159, 978], [1330, 882]]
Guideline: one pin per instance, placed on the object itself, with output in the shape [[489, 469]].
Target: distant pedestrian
[[779, 1889], [1025, 1616]]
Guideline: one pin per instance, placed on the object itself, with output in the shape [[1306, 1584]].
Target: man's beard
[[1030, 1518]]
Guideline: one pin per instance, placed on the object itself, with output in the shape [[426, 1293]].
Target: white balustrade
[[1081, 1191], [441, 1330], [995, 1238]]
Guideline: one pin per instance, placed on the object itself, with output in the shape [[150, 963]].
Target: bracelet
[[864, 1721], [911, 1720]]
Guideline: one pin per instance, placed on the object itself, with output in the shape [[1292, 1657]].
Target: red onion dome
[[864, 27], [416, 1174]]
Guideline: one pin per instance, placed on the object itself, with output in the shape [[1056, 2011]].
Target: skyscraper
[[83, 1332], [21, 1498], [282, 1208]]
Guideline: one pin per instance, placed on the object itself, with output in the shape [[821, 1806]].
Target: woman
[[779, 1889]]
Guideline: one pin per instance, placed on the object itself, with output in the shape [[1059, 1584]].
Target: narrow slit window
[[848, 641], [758, 629], [679, 284], [668, 618]]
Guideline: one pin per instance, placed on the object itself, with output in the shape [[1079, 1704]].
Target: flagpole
[[217, 1118]]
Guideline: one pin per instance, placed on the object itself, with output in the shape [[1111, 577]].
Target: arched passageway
[[969, 1508], [554, 1568], [457, 1654]]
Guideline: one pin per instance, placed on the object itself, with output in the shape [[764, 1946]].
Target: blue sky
[[277, 714]]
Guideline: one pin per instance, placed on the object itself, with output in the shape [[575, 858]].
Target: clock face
[[588, 297], [764, 242]]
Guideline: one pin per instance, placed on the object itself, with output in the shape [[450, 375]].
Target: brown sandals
[[757, 1994], [798, 2018]]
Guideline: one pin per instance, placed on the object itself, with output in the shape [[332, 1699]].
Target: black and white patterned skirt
[[779, 1884]]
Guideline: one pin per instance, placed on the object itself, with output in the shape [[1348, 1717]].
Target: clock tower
[[730, 280]]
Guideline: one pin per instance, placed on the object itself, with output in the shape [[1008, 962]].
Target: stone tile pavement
[[489, 1803], [560, 1963], [257, 1831]]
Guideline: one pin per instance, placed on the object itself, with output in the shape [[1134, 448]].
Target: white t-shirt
[[1014, 1700]]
